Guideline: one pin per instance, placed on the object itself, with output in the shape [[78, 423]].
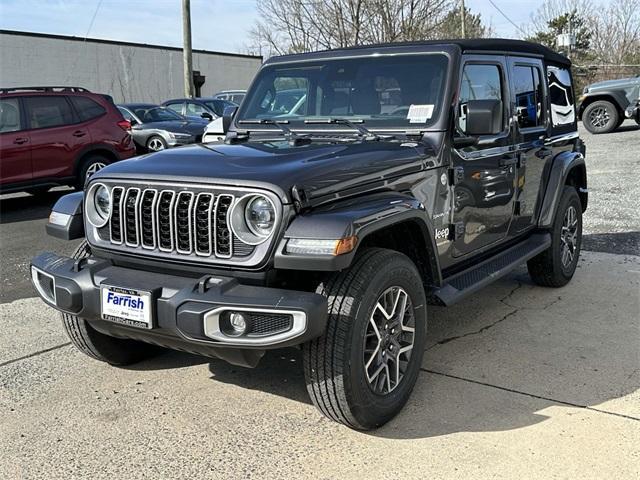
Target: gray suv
[[605, 105]]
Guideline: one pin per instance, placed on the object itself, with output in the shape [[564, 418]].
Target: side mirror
[[206, 115], [484, 117], [227, 117], [133, 122]]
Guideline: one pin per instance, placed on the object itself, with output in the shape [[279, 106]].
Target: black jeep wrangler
[[384, 178]]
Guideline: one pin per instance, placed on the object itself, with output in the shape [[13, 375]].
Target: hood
[[320, 169], [177, 126], [620, 83]]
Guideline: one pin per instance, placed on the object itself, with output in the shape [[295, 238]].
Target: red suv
[[58, 136]]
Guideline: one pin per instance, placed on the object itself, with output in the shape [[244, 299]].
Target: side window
[[195, 109], [561, 96], [527, 85], [87, 108], [176, 107], [479, 82], [46, 112], [126, 114], [9, 115]]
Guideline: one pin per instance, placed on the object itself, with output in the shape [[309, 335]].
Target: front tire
[[555, 266], [600, 117], [156, 143], [114, 351], [363, 369]]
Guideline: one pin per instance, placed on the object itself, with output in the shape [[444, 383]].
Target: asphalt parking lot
[[517, 381]]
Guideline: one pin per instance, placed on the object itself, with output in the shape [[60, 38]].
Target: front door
[[484, 174]]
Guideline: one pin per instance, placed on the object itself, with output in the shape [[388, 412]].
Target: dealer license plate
[[126, 306]]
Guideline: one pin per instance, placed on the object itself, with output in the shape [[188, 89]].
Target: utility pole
[[463, 13], [186, 49]]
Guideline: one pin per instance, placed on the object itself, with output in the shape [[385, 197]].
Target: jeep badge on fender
[[353, 187]]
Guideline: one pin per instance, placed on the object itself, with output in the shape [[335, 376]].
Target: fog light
[[238, 323]]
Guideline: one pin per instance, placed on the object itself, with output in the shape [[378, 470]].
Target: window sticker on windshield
[[420, 113]]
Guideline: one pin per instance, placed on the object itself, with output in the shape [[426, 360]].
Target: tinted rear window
[[45, 112], [87, 108]]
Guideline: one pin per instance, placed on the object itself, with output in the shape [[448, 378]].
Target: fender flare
[[68, 205], [94, 147], [562, 166], [620, 100], [360, 217]]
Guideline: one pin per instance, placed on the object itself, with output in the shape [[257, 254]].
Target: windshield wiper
[[363, 132], [293, 137]]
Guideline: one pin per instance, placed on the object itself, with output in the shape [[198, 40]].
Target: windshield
[[218, 106], [394, 91], [156, 114]]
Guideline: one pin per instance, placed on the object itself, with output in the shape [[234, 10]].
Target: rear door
[[529, 100], [56, 135], [485, 173], [15, 144]]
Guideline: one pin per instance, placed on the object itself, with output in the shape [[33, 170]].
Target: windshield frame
[[441, 110]]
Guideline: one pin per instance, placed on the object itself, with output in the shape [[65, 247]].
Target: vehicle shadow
[[624, 243], [524, 365], [25, 207], [630, 127]]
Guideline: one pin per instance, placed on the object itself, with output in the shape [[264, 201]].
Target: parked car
[[333, 227], [155, 128], [605, 105], [291, 101], [57, 136], [198, 108], [234, 96]]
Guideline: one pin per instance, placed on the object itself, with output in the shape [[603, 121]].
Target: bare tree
[[616, 33], [289, 26]]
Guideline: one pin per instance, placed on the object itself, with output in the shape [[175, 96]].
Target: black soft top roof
[[497, 45]]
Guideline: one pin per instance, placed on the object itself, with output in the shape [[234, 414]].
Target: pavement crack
[[476, 332], [9, 362], [531, 395]]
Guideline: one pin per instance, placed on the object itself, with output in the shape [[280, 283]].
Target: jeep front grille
[[178, 222]]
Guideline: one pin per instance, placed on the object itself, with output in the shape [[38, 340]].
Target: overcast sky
[[220, 25]]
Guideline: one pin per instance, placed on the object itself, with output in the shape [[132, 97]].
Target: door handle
[[20, 140], [78, 133], [544, 153]]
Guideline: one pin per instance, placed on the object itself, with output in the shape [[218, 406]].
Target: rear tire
[[114, 351], [600, 117], [345, 368], [555, 266], [89, 166]]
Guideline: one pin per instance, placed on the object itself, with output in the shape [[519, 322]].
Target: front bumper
[[182, 307]]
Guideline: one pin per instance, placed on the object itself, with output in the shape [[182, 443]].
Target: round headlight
[[260, 216], [98, 205], [253, 218]]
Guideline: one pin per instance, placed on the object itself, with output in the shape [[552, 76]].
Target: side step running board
[[474, 278]]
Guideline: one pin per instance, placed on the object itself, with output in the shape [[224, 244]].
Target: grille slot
[[224, 243], [164, 213], [115, 223], [202, 220], [130, 208], [148, 219], [183, 219]]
